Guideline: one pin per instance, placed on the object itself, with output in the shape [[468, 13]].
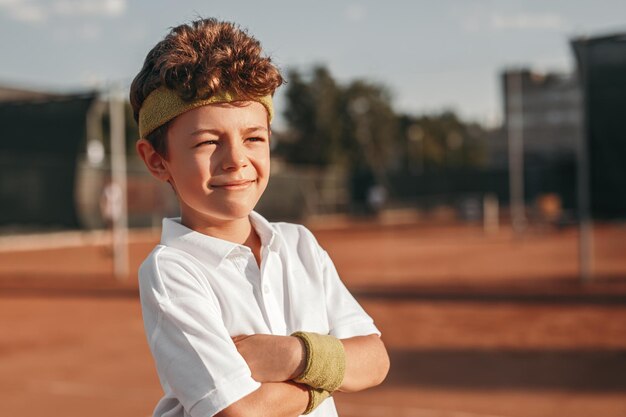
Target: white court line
[[361, 410], [70, 239]]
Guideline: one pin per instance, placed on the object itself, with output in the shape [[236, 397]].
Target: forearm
[[272, 358], [367, 363], [278, 399], [281, 358]]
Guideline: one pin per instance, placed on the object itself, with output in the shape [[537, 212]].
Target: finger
[[239, 337]]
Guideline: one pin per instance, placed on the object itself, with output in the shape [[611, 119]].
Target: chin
[[234, 212]]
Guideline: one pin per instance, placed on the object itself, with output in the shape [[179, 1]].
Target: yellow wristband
[[325, 361], [316, 397]]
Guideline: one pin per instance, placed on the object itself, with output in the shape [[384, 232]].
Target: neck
[[238, 231]]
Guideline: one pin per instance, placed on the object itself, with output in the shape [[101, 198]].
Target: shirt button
[[266, 289]]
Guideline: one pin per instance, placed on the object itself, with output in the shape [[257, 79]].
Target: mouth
[[233, 185]]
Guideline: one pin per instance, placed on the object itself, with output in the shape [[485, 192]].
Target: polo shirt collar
[[211, 249], [266, 232]]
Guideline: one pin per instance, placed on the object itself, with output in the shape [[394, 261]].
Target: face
[[218, 162]]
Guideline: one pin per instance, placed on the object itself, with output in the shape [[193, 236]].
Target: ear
[[154, 162]]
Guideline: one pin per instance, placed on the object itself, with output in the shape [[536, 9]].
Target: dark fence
[[445, 186], [39, 146], [602, 67]]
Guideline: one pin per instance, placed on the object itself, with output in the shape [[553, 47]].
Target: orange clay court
[[476, 325]]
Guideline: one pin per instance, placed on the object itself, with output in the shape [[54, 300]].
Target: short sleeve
[[194, 354], [345, 315]]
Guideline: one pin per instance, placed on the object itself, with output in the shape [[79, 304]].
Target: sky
[[431, 55]]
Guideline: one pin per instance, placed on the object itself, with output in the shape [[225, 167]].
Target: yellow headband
[[162, 105]]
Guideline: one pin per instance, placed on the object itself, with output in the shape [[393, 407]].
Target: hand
[[272, 358]]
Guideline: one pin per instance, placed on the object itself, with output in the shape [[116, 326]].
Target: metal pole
[[118, 176], [490, 213], [585, 241], [515, 125]]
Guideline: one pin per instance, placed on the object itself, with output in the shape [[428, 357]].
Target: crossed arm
[[276, 360]]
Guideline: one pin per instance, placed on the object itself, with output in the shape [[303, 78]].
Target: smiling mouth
[[233, 185]]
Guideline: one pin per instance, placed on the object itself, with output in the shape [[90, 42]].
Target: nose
[[234, 157]]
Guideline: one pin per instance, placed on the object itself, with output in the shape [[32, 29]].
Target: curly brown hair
[[200, 59]]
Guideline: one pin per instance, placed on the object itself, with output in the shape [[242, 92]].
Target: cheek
[[263, 160], [191, 172], [200, 163]]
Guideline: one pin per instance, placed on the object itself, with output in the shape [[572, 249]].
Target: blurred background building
[[547, 108], [551, 112]]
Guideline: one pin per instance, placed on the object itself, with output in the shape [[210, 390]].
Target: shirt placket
[[270, 279]]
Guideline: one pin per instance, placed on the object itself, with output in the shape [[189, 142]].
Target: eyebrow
[[254, 129], [217, 132], [200, 131]]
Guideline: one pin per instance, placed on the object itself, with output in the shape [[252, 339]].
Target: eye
[[256, 139], [206, 142]]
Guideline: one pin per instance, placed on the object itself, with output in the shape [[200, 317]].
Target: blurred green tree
[[332, 124], [314, 126], [355, 126], [440, 141], [371, 126]]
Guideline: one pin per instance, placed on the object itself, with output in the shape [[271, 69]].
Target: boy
[[243, 317]]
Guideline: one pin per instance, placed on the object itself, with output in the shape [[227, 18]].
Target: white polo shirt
[[198, 291]]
